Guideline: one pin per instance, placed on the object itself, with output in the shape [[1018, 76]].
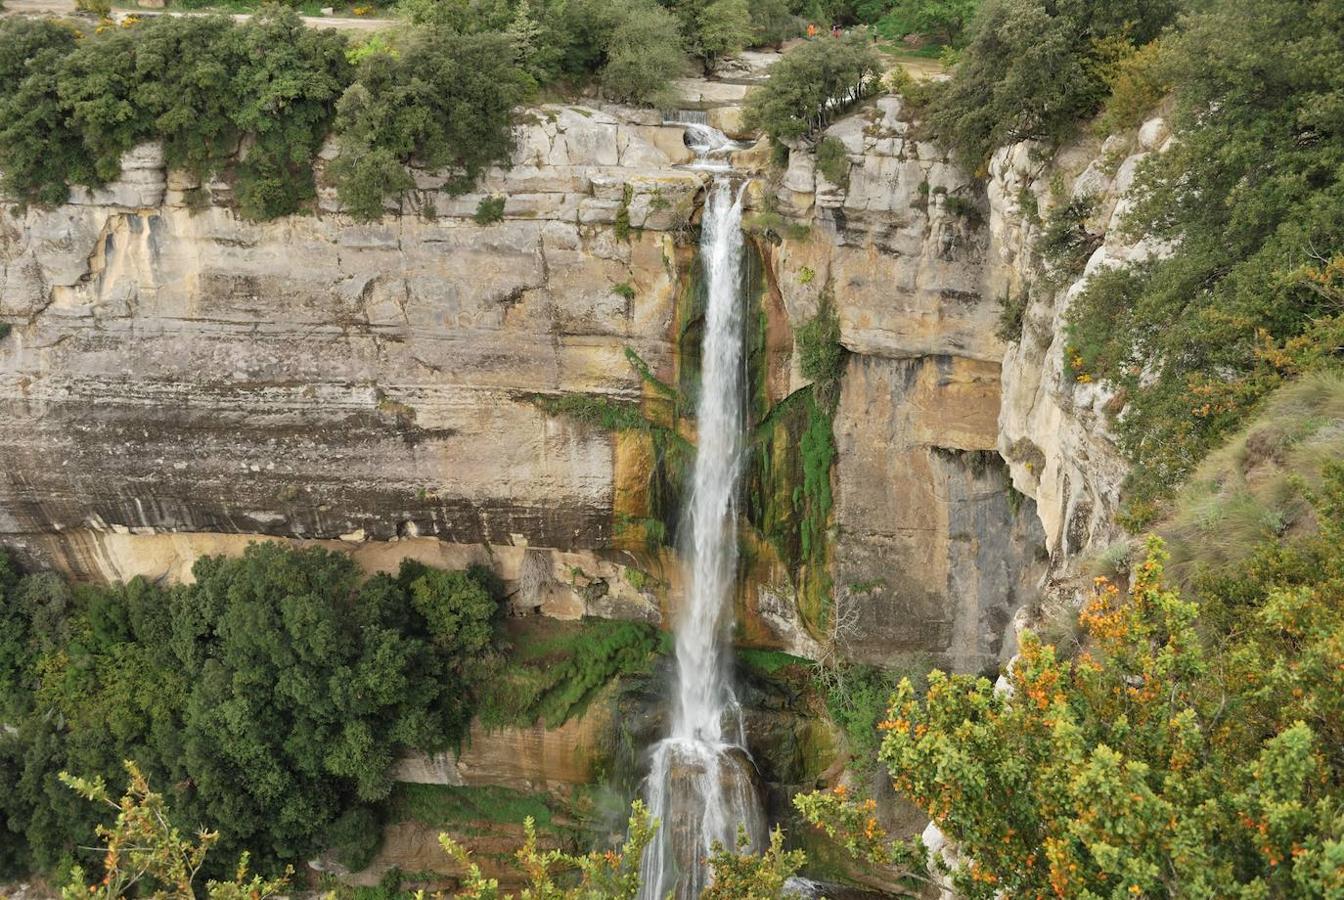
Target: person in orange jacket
[[811, 30]]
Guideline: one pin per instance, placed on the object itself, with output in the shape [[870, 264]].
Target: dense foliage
[[1036, 68], [273, 695], [252, 102], [1252, 193], [399, 111], [72, 103], [1191, 750], [808, 88]]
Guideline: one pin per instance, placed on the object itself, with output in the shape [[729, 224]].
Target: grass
[[446, 806], [553, 670], [769, 662], [1249, 490]]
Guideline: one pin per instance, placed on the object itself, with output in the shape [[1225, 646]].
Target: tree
[[1033, 69], [810, 86], [644, 52], [443, 102], [41, 152], [287, 83], [772, 23], [944, 20], [715, 29], [1250, 199]]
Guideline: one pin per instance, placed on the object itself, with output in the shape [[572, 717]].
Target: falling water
[[702, 783]]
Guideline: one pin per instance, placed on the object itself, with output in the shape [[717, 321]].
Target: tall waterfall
[[702, 783]]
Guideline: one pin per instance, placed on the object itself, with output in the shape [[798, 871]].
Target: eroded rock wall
[[177, 371], [933, 550], [174, 369]]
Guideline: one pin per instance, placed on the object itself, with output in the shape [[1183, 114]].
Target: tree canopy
[[274, 695]]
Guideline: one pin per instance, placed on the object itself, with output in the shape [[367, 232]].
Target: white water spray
[[702, 782]]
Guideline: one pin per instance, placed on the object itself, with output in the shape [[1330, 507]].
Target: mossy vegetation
[[792, 456], [552, 670], [460, 808]]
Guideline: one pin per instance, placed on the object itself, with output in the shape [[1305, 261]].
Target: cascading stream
[[702, 784]]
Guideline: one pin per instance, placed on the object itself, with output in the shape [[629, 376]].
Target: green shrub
[[1065, 243], [833, 161], [624, 289], [820, 354], [1012, 314], [810, 86], [1138, 83], [489, 211]]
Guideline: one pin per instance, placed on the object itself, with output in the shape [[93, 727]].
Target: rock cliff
[[178, 379]]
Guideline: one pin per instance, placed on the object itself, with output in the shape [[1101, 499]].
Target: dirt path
[[67, 8]]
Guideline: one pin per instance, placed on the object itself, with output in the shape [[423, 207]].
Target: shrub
[[1065, 243], [489, 211], [624, 289], [354, 837], [1138, 83], [1012, 314], [820, 353], [833, 161]]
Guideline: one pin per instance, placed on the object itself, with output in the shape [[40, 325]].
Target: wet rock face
[[932, 549]]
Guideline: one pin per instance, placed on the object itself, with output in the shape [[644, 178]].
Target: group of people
[[813, 31]]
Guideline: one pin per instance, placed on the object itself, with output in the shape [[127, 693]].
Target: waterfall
[[702, 783]]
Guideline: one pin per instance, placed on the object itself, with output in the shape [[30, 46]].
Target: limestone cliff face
[[182, 370], [933, 550], [1054, 430], [178, 379]]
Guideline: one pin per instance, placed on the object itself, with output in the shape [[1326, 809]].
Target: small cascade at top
[[713, 149]]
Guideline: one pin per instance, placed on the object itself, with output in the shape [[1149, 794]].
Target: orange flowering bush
[[1189, 751]]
